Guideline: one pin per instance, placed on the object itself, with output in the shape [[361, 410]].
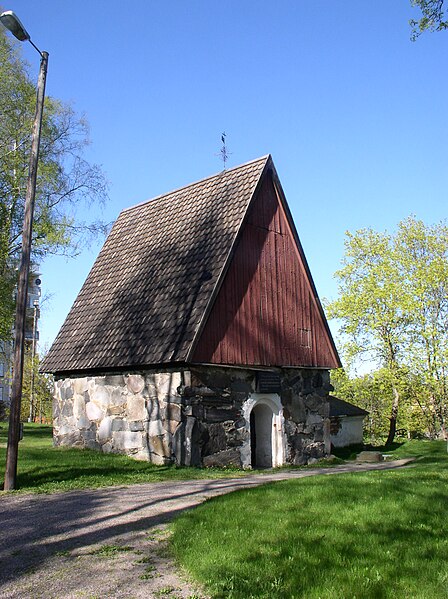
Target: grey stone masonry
[[195, 417]]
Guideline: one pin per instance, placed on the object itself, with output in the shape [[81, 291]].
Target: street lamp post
[[33, 357], [12, 22]]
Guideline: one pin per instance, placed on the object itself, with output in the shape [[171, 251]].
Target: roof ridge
[[178, 189]]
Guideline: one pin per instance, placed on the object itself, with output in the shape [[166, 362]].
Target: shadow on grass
[[350, 452], [35, 430], [425, 450], [44, 477], [43, 468]]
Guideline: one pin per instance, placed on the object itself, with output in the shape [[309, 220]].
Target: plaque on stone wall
[[268, 382]]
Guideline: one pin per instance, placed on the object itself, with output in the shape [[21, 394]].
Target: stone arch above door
[[271, 401]]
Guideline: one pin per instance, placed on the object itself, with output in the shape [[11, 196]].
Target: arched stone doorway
[[265, 446]]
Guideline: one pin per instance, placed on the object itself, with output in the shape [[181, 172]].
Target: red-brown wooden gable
[[265, 312]]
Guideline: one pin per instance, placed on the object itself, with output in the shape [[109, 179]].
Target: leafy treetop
[[433, 17], [66, 181]]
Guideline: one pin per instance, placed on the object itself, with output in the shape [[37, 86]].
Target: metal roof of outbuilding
[[339, 407]]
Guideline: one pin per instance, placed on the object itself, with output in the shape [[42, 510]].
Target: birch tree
[[422, 255], [393, 310], [66, 181]]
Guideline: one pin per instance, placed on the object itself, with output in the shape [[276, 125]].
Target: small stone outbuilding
[[346, 423], [198, 337]]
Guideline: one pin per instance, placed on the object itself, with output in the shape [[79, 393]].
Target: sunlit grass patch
[[361, 535], [111, 550], [43, 468]]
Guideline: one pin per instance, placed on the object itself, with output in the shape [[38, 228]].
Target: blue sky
[[353, 112]]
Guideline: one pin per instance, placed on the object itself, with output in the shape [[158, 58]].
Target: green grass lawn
[[349, 536], [43, 468]]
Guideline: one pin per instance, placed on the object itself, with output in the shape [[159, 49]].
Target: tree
[[38, 386], [373, 323], [65, 179], [433, 17], [393, 307], [423, 256], [373, 392]]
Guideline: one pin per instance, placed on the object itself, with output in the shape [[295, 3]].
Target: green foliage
[[393, 311], [433, 17], [38, 386], [7, 282], [111, 550], [360, 535], [374, 392], [424, 259], [65, 179], [372, 321]]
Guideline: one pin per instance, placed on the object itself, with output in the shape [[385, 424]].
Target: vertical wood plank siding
[[265, 313]]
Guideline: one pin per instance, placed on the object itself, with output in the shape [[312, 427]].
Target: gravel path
[[111, 542]]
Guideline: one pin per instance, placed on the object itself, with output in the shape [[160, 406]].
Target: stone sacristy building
[[198, 337]]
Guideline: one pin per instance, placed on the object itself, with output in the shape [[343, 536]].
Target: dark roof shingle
[[150, 286], [339, 407]]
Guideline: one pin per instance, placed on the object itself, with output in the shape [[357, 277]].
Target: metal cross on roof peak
[[224, 153]]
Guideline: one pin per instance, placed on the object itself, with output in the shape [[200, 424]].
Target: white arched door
[[265, 447]]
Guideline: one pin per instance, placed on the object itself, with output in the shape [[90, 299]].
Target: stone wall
[[193, 417]]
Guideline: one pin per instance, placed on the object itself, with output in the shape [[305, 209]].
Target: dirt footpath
[[111, 542]]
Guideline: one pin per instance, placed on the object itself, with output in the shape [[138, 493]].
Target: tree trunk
[[393, 418], [438, 411]]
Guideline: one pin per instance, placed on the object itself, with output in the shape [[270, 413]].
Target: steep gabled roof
[[267, 311], [161, 291], [150, 285]]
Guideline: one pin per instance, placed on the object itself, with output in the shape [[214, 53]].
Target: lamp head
[[12, 22]]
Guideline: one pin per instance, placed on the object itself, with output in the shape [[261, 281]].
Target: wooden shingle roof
[[147, 293]]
